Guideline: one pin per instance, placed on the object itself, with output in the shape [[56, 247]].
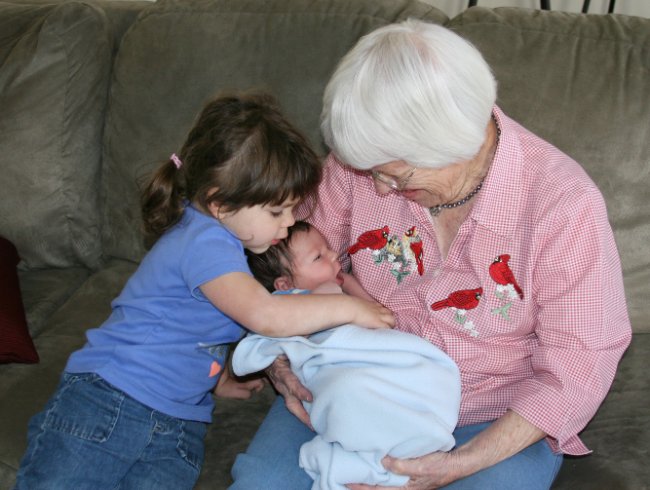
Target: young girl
[[132, 405]]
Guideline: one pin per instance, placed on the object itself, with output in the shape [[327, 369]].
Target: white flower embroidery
[[507, 290]]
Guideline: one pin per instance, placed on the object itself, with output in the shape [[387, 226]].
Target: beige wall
[[628, 7]]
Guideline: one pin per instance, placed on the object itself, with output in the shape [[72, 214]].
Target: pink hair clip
[[177, 161]]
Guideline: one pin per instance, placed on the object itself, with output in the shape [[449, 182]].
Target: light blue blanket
[[376, 392]]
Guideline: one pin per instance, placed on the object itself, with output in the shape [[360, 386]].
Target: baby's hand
[[353, 287], [371, 314]]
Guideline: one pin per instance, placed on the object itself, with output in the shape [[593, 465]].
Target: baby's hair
[[241, 152], [276, 261]]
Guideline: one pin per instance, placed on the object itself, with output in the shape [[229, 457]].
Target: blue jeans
[[92, 436], [271, 460]]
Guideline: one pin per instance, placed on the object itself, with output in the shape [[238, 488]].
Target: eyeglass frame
[[397, 184]]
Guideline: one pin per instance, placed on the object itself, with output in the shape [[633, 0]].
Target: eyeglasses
[[397, 184]]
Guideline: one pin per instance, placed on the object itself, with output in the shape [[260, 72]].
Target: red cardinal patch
[[465, 299], [461, 301], [373, 240], [501, 274], [507, 287], [415, 245], [405, 254]]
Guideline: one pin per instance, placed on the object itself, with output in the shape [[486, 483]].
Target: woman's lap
[[271, 460], [533, 468]]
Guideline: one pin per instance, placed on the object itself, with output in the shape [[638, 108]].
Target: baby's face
[[313, 262]]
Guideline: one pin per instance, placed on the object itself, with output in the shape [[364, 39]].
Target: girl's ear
[[283, 283], [215, 208]]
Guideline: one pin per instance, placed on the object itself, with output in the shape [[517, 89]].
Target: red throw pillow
[[15, 342]]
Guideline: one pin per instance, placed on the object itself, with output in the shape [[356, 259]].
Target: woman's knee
[[534, 468], [250, 472], [271, 460]]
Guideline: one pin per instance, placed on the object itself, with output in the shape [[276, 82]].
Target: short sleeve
[[214, 252]]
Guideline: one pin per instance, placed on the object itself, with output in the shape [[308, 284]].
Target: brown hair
[[276, 261], [242, 146]]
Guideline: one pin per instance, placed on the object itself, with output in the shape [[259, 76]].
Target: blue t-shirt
[[165, 343]]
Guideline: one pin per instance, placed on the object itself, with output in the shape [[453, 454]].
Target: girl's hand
[[290, 387], [229, 386], [371, 314]]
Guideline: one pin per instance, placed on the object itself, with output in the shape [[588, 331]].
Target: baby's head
[[302, 260]]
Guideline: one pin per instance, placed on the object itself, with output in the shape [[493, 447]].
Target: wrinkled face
[[260, 226], [314, 263], [425, 186]]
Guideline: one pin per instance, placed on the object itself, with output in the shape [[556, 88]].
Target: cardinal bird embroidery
[[414, 244], [501, 273], [373, 240], [465, 299], [404, 255]]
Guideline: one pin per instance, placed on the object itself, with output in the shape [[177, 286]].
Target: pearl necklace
[[435, 210]]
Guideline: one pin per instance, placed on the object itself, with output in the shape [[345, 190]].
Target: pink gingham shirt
[[551, 356]]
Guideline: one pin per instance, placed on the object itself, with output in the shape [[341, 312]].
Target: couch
[[94, 94]]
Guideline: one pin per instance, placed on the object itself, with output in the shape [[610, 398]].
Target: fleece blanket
[[375, 392]]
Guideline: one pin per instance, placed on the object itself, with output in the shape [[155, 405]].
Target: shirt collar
[[499, 201]]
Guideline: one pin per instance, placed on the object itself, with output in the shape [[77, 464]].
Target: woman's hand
[[505, 437], [229, 386], [427, 472], [290, 387]]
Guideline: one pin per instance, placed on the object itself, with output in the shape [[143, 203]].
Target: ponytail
[[162, 198]]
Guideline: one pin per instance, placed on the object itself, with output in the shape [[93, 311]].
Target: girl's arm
[[246, 301]]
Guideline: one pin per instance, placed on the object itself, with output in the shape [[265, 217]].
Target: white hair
[[411, 91]]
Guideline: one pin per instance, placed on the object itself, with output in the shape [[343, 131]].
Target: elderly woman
[[481, 238]]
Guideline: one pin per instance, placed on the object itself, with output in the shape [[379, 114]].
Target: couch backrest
[[55, 66], [582, 82], [178, 54]]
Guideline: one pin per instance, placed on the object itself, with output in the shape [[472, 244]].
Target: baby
[[375, 393]]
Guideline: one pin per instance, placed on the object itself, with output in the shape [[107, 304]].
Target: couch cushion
[[235, 424], [54, 72], [583, 83], [619, 434], [24, 389], [15, 342], [178, 54], [45, 290]]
